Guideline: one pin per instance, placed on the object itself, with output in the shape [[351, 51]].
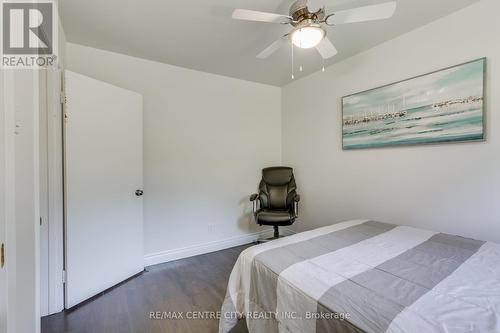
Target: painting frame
[[404, 144]]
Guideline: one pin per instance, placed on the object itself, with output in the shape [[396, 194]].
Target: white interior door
[[3, 273], [103, 156], [7, 201]]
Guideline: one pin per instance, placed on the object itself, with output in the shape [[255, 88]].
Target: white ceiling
[[201, 35]]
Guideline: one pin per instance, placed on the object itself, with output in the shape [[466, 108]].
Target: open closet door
[[103, 178]]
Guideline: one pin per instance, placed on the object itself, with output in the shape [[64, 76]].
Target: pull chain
[[323, 69], [293, 68]]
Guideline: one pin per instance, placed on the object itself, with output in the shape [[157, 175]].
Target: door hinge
[[64, 277], [2, 256], [63, 98], [40, 220]]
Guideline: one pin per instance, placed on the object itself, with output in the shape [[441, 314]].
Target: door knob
[[139, 193]]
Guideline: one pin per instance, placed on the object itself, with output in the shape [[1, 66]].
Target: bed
[[366, 276]]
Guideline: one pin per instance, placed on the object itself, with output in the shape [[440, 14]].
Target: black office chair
[[277, 203]]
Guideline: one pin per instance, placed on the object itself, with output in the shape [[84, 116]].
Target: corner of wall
[[282, 126]]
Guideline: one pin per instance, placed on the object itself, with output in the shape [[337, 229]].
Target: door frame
[[53, 177], [55, 83]]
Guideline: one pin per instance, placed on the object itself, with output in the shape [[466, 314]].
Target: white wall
[[62, 46], [453, 188], [206, 137]]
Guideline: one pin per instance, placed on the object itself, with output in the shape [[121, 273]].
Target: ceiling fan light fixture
[[308, 37]]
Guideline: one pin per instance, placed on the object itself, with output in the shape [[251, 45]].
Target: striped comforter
[[366, 276]]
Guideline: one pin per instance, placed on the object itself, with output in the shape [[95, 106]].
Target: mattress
[[366, 276]]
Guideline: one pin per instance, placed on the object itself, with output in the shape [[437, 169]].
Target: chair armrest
[[255, 203], [296, 200]]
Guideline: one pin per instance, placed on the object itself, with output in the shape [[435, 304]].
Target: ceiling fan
[[309, 19]]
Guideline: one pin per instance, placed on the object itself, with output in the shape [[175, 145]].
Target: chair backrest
[[277, 188]]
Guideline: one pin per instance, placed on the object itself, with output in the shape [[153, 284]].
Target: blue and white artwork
[[443, 106]]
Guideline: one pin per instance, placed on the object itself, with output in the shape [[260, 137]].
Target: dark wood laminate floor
[[193, 284]]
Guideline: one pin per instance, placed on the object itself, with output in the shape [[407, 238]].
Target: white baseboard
[[194, 250]]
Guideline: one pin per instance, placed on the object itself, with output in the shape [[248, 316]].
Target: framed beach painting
[[443, 106]]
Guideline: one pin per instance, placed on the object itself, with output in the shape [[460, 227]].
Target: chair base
[[265, 240], [276, 235]]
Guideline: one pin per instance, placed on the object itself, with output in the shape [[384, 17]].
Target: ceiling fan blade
[[326, 48], [252, 15], [272, 48], [363, 14]]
